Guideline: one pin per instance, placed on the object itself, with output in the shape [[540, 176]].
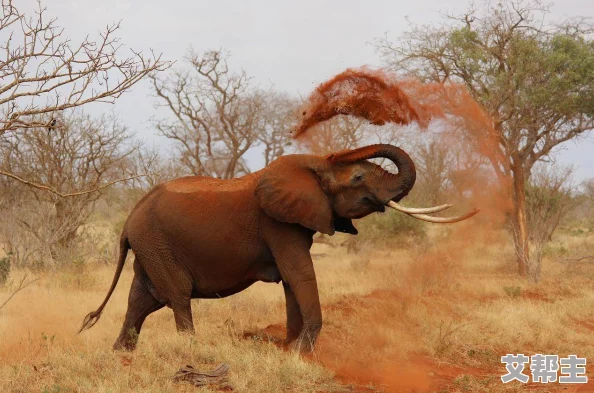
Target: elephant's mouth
[[344, 225], [373, 204]]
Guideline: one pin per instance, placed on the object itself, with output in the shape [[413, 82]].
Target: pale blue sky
[[293, 45]]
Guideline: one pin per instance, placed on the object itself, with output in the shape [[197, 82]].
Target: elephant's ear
[[291, 192]]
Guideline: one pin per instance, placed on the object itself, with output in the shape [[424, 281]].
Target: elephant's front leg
[[294, 317], [306, 293], [297, 271]]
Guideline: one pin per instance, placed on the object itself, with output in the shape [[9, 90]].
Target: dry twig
[[21, 286]]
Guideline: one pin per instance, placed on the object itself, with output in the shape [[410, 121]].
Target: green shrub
[[5, 268], [512, 292], [391, 226]]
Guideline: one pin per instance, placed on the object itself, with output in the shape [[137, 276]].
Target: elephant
[[202, 237]]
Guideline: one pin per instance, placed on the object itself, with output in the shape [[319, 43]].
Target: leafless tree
[[434, 163], [588, 187], [341, 132], [279, 118], [79, 152], [156, 166], [43, 72], [549, 199], [218, 116]]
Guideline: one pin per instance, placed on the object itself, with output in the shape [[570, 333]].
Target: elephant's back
[[192, 209], [202, 184]]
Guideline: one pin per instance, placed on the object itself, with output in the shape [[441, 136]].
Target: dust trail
[[371, 94], [474, 180], [382, 97]]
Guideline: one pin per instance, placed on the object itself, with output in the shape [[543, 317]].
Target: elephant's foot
[[126, 341], [306, 341], [292, 335]]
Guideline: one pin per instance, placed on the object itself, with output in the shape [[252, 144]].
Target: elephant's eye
[[358, 177]]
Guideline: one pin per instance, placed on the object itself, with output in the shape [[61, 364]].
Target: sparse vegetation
[[424, 314], [5, 268], [513, 291], [408, 306]]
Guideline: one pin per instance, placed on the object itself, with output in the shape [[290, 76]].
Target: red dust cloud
[[380, 98], [361, 93]]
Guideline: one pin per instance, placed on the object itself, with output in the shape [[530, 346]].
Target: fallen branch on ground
[[201, 378]]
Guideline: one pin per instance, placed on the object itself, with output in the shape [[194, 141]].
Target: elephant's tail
[[92, 318]]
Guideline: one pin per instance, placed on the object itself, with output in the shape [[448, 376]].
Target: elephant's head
[[325, 193]]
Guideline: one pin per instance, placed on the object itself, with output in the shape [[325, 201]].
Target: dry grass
[[395, 321]]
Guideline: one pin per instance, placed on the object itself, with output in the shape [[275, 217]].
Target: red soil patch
[[126, 360], [534, 294], [588, 324], [418, 374], [344, 306], [274, 334], [360, 365]]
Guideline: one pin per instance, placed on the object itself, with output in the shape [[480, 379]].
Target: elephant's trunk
[[397, 185]]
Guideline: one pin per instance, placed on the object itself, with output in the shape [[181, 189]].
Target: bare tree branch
[[43, 72], [70, 194], [218, 116], [22, 285]]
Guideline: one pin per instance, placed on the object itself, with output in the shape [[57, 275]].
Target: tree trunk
[[66, 229], [519, 223]]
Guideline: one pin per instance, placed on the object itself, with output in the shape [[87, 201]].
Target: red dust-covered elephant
[[199, 237]]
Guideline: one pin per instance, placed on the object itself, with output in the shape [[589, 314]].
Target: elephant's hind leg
[[182, 312], [140, 304], [181, 304]]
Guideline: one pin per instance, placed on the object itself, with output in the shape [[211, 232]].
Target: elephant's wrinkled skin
[[199, 237]]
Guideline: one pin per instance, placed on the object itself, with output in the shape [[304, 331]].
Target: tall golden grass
[[396, 320]]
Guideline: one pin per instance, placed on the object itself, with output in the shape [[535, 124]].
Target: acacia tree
[[533, 79], [218, 116], [42, 72]]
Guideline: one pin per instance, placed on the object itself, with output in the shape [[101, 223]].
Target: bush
[[5, 268], [391, 226], [512, 291]]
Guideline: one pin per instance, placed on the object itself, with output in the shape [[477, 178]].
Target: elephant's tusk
[[445, 220], [417, 210]]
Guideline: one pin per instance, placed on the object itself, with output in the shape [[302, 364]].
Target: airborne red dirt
[[380, 97], [463, 126], [362, 93]]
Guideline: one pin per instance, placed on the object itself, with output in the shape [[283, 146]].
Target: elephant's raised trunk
[[397, 185]]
